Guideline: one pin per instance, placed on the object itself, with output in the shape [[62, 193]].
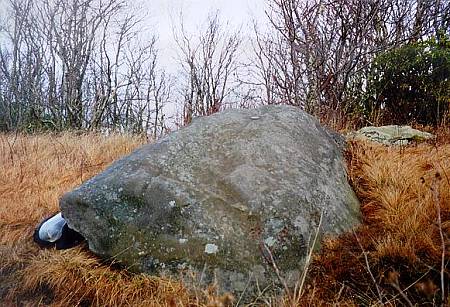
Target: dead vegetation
[[36, 170], [398, 257]]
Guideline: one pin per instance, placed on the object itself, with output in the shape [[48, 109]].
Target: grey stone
[[391, 135], [214, 197]]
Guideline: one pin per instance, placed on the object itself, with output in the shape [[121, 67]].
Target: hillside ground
[[399, 256]]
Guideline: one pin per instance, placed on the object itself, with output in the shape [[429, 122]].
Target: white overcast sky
[[196, 11], [161, 14]]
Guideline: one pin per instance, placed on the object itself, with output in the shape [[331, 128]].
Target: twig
[[340, 292], [380, 296], [407, 288], [308, 258], [260, 295], [268, 256], [400, 291], [245, 290], [202, 274], [435, 191]]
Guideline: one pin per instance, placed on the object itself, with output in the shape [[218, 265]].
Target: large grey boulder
[[220, 198]]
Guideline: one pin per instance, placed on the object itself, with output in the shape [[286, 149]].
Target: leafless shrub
[[209, 62], [81, 65], [318, 52]]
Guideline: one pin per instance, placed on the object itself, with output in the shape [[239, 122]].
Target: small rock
[[391, 135]]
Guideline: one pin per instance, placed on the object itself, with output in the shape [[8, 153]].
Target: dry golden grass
[[35, 172], [400, 254], [394, 258]]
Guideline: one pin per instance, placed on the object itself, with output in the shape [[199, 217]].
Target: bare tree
[[209, 62], [82, 65], [14, 62], [130, 90], [319, 53], [75, 25]]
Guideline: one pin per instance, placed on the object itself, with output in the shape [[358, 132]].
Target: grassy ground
[[35, 172], [399, 256]]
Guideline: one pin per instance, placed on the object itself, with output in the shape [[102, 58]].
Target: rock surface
[[217, 195], [391, 135]]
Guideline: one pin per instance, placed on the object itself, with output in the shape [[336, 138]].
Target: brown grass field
[[398, 257]]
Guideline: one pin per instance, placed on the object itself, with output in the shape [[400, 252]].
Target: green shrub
[[411, 83]]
